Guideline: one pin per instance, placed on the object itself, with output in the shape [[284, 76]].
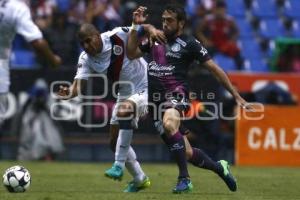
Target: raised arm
[[139, 28], [133, 50]]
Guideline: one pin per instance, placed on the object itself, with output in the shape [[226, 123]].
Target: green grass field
[[54, 181]]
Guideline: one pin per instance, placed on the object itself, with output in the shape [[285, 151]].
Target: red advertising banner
[[274, 140], [246, 81]]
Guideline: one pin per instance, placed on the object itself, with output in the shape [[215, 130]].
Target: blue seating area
[[236, 8], [226, 62], [246, 31], [296, 28], [256, 65], [23, 59], [250, 49], [271, 28], [292, 8], [265, 8], [270, 17]]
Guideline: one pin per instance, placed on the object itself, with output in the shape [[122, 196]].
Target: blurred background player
[[105, 54], [219, 33], [167, 70], [15, 18]]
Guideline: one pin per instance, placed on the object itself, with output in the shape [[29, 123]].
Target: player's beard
[[170, 34]]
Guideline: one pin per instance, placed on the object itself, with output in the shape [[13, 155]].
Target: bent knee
[[169, 127], [125, 110]]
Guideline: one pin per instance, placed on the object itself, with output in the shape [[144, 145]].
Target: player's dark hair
[[178, 9], [87, 29]]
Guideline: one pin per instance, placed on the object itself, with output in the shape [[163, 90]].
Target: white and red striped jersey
[[113, 62]]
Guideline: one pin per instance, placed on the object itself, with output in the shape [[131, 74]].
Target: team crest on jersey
[[175, 47], [118, 50]]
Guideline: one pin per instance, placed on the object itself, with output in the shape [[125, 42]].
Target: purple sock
[[177, 148], [202, 160]]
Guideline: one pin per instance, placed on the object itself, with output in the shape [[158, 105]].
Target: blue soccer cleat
[[184, 185], [133, 186], [227, 176], [115, 172]]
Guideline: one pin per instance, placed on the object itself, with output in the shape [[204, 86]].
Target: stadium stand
[[236, 8], [291, 8], [272, 19], [264, 9], [226, 62]]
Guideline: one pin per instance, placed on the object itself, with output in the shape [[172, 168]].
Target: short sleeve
[[83, 68], [198, 51], [25, 25]]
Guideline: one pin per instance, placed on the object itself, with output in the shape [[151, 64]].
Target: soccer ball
[[16, 179]]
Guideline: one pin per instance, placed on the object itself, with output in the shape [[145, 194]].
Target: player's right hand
[[63, 93], [139, 16]]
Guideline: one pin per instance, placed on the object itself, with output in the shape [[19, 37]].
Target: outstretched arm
[[223, 78], [133, 50]]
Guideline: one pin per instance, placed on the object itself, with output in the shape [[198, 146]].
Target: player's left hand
[[244, 104], [157, 35]]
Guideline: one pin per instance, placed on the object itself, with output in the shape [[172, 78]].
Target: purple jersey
[[168, 63]]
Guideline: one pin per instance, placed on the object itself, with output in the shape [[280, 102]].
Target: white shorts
[[141, 101], [3, 106]]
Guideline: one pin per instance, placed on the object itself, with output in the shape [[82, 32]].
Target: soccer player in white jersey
[[15, 18], [105, 54]]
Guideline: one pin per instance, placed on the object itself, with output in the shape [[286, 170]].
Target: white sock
[[122, 147], [134, 167]]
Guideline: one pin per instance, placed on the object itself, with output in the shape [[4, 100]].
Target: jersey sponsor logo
[[118, 50], [203, 51], [157, 67], [175, 47]]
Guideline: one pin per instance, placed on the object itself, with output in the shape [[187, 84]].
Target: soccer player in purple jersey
[[168, 89]]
